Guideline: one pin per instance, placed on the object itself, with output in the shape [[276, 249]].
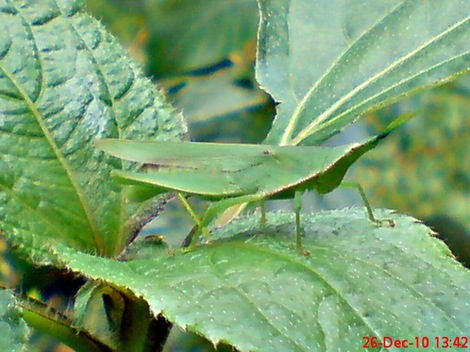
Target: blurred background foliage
[[202, 54]]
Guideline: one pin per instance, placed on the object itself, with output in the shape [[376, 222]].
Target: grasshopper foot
[[304, 252], [384, 222], [188, 249]]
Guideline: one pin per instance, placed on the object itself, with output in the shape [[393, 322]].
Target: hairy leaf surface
[[359, 280], [64, 82], [14, 330], [327, 62]]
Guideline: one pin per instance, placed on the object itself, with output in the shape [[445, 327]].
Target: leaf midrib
[[314, 125], [299, 108], [311, 127], [98, 240]]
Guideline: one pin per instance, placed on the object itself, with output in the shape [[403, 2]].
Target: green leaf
[[58, 93], [15, 333], [327, 64], [257, 292]]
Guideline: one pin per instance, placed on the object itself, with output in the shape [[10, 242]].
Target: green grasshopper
[[231, 174]]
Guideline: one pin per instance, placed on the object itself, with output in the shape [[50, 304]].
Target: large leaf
[[258, 293], [14, 334], [57, 94], [328, 62]]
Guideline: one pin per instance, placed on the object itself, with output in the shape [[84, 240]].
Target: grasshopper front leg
[[218, 207], [298, 229], [200, 228], [212, 212]]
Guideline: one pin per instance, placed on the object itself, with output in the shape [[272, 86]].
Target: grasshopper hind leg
[[370, 213]]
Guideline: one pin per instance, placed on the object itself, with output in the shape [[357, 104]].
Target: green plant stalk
[[41, 318]]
